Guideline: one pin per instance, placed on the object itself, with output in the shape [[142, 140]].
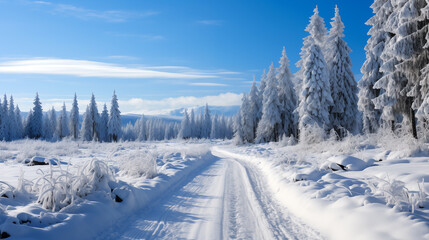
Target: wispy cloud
[[208, 84], [85, 68], [88, 14], [210, 22]]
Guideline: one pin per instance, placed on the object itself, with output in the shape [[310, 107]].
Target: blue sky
[[157, 55]]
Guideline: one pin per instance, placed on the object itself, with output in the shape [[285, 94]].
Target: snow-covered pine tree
[[247, 120], [50, 125], [36, 122], [411, 49], [238, 131], [343, 114], [86, 131], [255, 105], [114, 125], [401, 88], [63, 123], [262, 85], [315, 98], [185, 130], [371, 68], [192, 124], [94, 118], [13, 125], [103, 127], [19, 125], [74, 119], [269, 128], [206, 123], [5, 122], [141, 128], [317, 30], [287, 97]]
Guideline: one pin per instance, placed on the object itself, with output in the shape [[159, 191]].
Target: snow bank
[[355, 201], [89, 196]]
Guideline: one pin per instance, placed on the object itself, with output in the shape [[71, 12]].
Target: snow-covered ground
[[361, 188]]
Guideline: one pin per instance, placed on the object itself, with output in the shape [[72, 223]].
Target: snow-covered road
[[226, 199]]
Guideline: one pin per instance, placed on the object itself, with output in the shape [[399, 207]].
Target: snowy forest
[[107, 126], [323, 98]]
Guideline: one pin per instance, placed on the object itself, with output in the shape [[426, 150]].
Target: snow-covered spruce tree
[[192, 124], [412, 51], [114, 125], [74, 119], [269, 128], [287, 97], [343, 113], [238, 131], [86, 133], [103, 128], [185, 130], [13, 124], [315, 98], [206, 123], [63, 123], [317, 30], [255, 106], [5, 122], [50, 125], [36, 121], [403, 57], [141, 128], [19, 125], [262, 85], [94, 117], [247, 120], [371, 68]]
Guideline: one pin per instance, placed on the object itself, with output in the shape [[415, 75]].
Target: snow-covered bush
[[312, 134], [59, 188], [140, 164]]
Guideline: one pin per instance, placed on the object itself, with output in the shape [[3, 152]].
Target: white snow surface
[[216, 190]]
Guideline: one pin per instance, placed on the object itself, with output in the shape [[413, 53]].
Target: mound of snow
[[346, 162]]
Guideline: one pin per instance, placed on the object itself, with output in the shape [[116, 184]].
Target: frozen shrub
[[140, 165], [59, 188], [312, 134]]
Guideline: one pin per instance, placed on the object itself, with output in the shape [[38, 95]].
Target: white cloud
[[209, 84], [139, 105], [163, 106], [85, 68]]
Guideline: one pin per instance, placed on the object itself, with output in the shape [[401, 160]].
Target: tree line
[[105, 126]]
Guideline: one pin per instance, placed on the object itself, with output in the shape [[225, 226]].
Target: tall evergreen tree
[[317, 30], [255, 106], [74, 118], [36, 121], [103, 127], [63, 123], [287, 97], [86, 131], [5, 123], [94, 118], [13, 125], [185, 130], [343, 114], [19, 125], [269, 128], [371, 68], [206, 123], [114, 125], [247, 120], [315, 98]]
